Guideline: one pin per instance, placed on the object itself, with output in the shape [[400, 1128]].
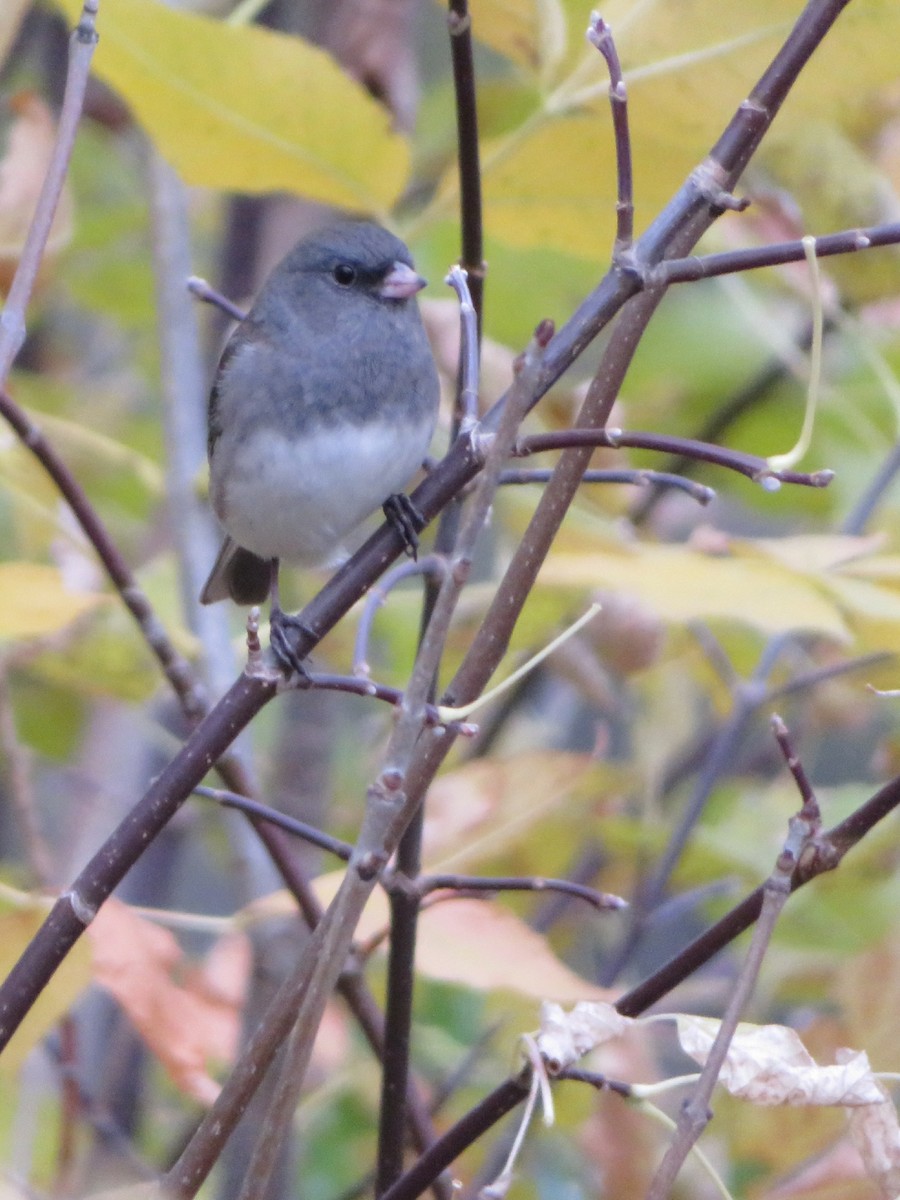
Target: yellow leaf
[[248, 109], [555, 188], [18, 926], [682, 584], [551, 183], [35, 601], [483, 807], [814, 552], [530, 32], [873, 611]]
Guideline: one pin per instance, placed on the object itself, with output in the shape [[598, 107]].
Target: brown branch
[[755, 468], [730, 262], [600, 35], [176, 669]]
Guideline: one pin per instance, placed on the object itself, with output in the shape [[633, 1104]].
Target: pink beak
[[401, 282]]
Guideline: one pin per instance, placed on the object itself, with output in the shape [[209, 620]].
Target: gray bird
[[322, 409]]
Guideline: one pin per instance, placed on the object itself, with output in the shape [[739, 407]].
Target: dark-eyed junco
[[322, 409]]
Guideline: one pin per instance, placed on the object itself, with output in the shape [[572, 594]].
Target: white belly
[[298, 500]]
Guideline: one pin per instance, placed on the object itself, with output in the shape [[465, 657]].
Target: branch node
[[369, 865], [86, 31], [83, 911], [458, 24], [709, 180], [392, 779]]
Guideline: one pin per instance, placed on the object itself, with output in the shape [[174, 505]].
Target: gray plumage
[[323, 406]]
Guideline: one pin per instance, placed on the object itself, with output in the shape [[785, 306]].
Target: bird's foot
[[283, 631], [406, 519]]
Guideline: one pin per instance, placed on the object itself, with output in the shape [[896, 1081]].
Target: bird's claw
[[283, 628], [406, 519]]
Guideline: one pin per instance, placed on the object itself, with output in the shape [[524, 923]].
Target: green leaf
[[35, 600], [530, 32], [247, 109]]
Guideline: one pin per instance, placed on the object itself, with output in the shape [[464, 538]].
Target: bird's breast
[[297, 498]]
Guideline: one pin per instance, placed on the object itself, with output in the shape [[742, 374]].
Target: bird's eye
[[344, 274]]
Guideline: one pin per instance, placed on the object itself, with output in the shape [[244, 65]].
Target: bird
[[322, 409]]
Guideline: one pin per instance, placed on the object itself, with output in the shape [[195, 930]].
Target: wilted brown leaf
[[875, 1131], [564, 1037], [479, 944], [768, 1064], [188, 1025], [23, 167]]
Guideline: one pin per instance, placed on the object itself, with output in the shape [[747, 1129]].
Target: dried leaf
[[768, 1064], [186, 1027], [876, 1135], [564, 1037], [481, 945], [22, 170], [476, 943]]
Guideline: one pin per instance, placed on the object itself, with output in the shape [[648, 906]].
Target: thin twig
[[291, 825], [356, 685], [865, 507], [404, 905], [795, 766], [476, 1122], [751, 465], [714, 428], [601, 1082], [600, 35], [176, 669], [747, 697], [432, 565], [636, 477], [729, 262], [467, 392], [82, 42], [604, 901], [208, 294], [389, 808], [695, 1112], [459, 25]]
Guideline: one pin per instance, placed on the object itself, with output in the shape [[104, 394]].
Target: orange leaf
[[185, 1026]]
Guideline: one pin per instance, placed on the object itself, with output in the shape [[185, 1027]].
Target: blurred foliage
[[593, 762]]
